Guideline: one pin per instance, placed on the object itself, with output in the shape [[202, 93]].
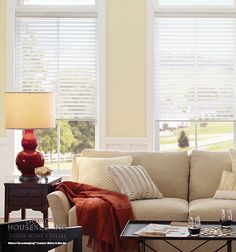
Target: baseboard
[[127, 143]]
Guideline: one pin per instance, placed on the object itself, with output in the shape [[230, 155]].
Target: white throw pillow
[[135, 182], [225, 194], [94, 171], [227, 186], [233, 159]]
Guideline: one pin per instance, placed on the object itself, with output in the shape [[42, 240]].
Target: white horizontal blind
[[59, 55], [194, 69]]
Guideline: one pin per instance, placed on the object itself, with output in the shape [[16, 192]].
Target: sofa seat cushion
[[160, 209], [209, 209], [151, 209]]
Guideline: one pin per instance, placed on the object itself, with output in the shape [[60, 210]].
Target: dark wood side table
[[21, 195]]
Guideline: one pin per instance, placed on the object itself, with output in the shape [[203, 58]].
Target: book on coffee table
[[161, 230]]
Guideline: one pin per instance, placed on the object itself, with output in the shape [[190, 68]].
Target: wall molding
[[101, 123], [3, 140], [150, 123], [126, 143]]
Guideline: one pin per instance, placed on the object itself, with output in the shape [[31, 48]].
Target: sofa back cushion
[[205, 172], [169, 171]]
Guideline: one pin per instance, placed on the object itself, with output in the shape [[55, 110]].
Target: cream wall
[[2, 60], [125, 67]]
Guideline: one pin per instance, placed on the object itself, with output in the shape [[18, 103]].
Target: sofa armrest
[[60, 207]]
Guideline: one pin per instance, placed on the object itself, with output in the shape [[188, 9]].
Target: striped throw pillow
[[135, 182]]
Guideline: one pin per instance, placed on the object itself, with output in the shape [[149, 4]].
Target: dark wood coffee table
[[133, 226]]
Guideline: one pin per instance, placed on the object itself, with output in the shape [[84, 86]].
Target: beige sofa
[[187, 183]]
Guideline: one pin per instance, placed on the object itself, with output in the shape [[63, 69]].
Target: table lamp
[[28, 111]]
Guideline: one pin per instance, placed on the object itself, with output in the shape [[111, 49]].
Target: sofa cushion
[[94, 171], [168, 170], [205, 173], [152, 209], [170, 209], [134, 181], [210, 209]]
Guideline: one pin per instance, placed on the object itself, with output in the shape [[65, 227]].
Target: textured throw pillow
[[232, 153], [94, 171], [227, 187], [135, 182]]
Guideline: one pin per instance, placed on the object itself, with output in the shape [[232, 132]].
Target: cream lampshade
[[29, 110]]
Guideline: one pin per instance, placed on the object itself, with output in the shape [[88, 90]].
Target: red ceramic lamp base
[[29, 159]]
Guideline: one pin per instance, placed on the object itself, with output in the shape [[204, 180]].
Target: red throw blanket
[[102, 214]]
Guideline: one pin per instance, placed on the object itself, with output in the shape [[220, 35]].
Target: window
[[59, 52], [194, 78]]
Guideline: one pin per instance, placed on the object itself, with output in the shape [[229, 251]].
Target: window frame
[[14, 7], [156, 8], [22, 1], [152, 11]]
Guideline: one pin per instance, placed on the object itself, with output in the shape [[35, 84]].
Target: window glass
[[215, 136], [59, 2], [74, 137], [212, 136], [196, 2], [176, 136]]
